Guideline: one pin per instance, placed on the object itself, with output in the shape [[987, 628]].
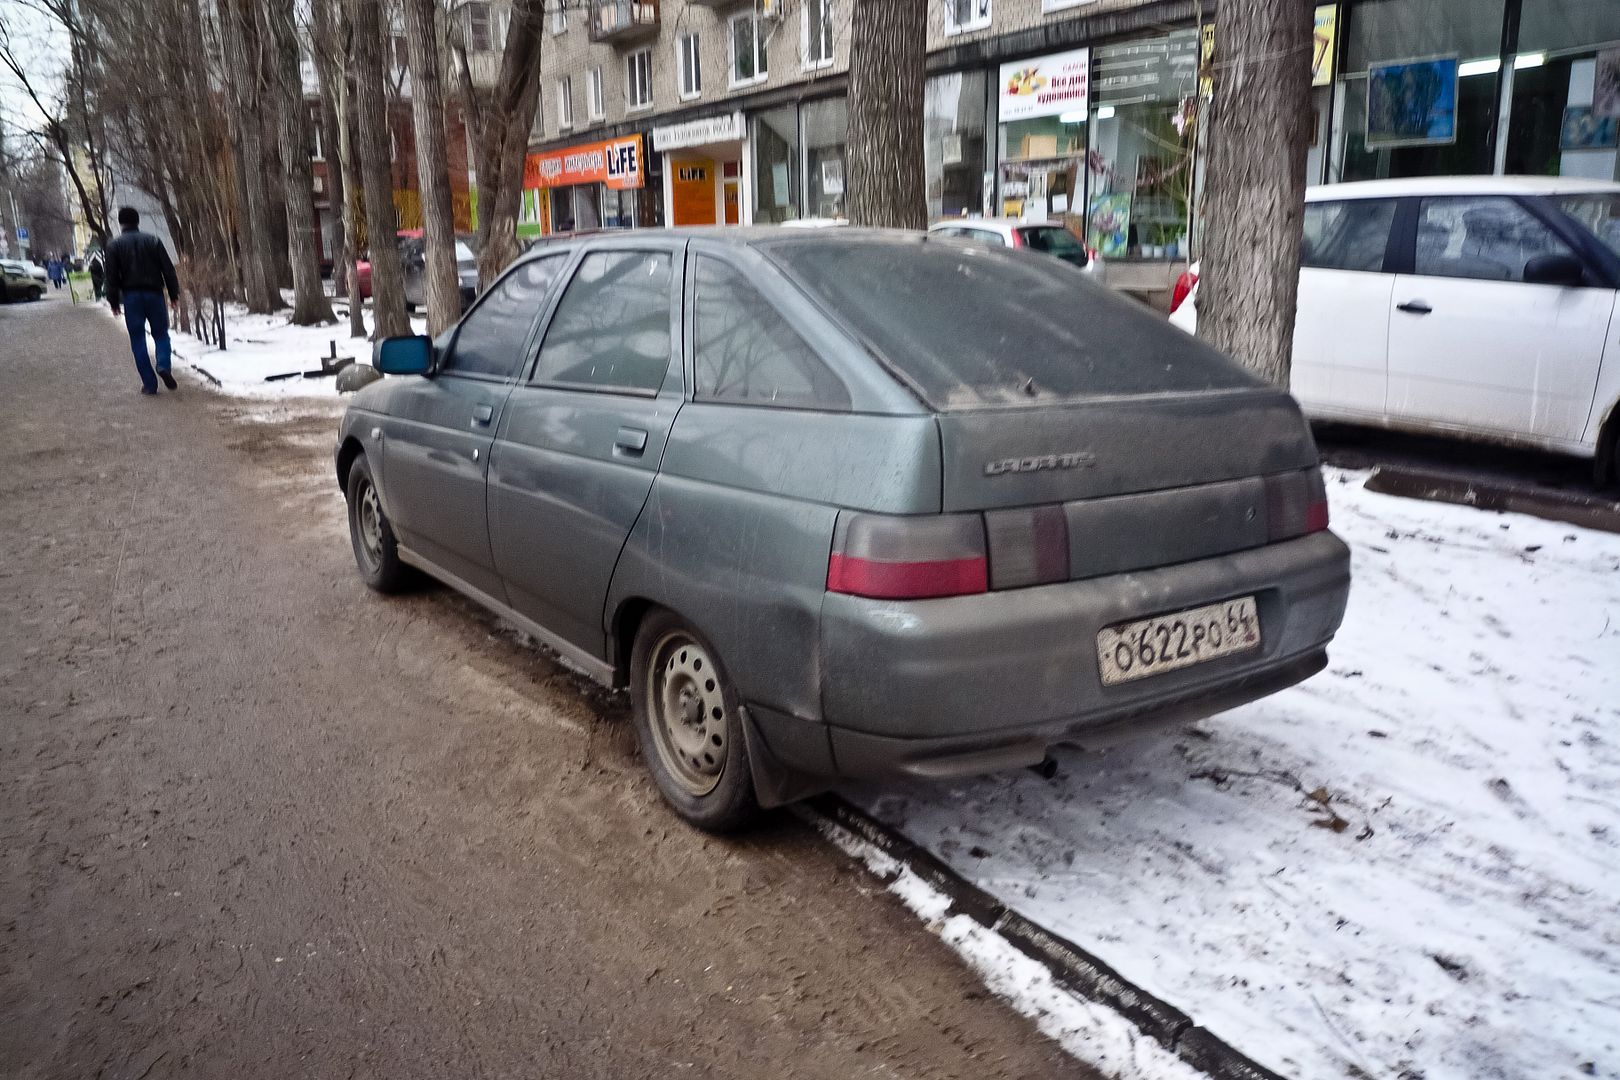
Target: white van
[[1479, 306]]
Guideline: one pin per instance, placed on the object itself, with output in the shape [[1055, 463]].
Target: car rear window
[[1053, 240], [970, 326]]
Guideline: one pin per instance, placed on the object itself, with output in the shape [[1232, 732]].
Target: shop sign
[[615, 162], [1046, 86], [1322, 43], [710, 129]]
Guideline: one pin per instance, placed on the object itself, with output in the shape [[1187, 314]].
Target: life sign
[[614, 162]]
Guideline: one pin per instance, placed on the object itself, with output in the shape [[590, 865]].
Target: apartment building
[[679, 112]]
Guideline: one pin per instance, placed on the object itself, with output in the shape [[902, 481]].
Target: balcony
[[622, 22]]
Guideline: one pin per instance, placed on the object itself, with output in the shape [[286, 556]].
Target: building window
[[638, 79], [686, 55], [954, 143], [748, 61], [774, 135], [479, 38], [594, 102], [565, 102], [965, 15], [818, 33], [401, 51], [559, 19], [826, 127]]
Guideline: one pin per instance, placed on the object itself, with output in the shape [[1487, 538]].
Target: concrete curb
[[1572, 508], [1081, 973]]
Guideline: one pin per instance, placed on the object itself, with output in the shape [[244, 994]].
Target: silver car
[[847, 503]]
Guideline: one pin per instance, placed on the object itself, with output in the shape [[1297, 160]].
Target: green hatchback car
[[848, 503]]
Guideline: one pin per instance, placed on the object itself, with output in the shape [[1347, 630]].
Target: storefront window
[[1141, 158], [1556, 25], [1554, 128], [775, 137], [826, 126], [953, 143], [1469, 154], [1379, 30]]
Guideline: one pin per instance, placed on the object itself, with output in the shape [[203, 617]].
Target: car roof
[[1460, 185]]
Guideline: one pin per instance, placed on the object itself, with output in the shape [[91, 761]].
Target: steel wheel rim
[[369, 518], [686, 704]]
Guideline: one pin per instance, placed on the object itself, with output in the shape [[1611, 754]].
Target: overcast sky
[[42, 46]]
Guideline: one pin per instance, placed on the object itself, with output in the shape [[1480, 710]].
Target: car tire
[[690, 725], [36, 293], [376, 551]]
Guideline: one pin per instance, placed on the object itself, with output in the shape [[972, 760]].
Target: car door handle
[[483, 414], [630, 440], [1414, 307]]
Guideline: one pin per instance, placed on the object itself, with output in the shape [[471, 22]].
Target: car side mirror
[[1557, 269], [412, 355]]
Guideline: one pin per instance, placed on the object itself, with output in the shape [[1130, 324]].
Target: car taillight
[[1017, 238], [908, 558], [1296, 504], [1184, 286]]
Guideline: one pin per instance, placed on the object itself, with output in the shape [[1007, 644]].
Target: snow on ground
[[1095, 1035], [1408, 866], [259, 346]]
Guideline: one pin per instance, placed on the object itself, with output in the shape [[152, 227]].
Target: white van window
[[1348, 235], [1482, 237]]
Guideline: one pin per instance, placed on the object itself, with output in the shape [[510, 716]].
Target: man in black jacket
[[138, 271]]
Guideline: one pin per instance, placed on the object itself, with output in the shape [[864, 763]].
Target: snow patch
[[1091, 1033]]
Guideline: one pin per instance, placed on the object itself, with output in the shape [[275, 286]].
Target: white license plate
[[1136, 650]]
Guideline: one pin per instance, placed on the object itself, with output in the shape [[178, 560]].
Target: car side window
[[1481, 237], [611, 329], [985, 236], [1348, 235], [491, 338], [745, 352]]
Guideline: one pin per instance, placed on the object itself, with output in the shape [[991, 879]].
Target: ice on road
[[1409, 866]]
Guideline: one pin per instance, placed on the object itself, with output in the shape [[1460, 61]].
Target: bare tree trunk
[[258, 245], [387, 284], [432, 167], [1254, 194], [331, 51], [887, 46], [500, 127], [310, 306]]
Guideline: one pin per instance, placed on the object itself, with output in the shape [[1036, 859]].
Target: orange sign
[[692, 187], [615, 162]]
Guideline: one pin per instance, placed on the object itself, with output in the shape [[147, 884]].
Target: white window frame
[[632, 103], [979, 21], [317, 154], [565, 102], [595, 99], [695, 91], [762, 72], [559, 18], [812, 62]]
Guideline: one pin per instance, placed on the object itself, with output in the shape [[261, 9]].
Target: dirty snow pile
[[261, 347], [1408, 866]]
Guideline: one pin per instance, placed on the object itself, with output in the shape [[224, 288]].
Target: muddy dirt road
[[257, 822]]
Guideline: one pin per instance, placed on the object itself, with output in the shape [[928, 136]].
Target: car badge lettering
[[1076, 459]]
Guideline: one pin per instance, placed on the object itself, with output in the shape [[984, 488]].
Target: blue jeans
[[141, 308]]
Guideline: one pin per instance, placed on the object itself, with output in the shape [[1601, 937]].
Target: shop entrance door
[[733, 201]]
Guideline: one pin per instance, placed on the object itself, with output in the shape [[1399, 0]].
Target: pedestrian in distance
[[138, 272], [53, 270], [98, 274]]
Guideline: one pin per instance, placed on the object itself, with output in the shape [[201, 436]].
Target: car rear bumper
[[971, 684]]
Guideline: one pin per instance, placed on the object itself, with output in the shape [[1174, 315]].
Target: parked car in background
[[849, 503], [1476, 306], [413, 265], [18, 281], [1048, 237], [413, 262]]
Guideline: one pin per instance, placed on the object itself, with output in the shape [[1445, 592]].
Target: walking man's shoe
[[168, 380], [149, 390]]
